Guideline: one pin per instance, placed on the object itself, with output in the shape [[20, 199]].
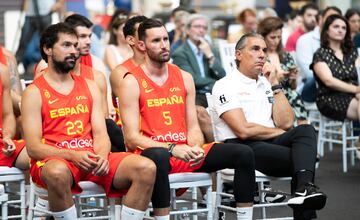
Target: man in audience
[[202, 61], [254, 111], [162, 97], [66, 135], [309, 13], [13, 152], [308, 44]]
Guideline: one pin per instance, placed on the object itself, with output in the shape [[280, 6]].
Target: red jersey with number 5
[[162, 108], [66, 119]]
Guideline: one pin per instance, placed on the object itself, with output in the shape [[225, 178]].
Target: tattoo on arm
[[14, 76]]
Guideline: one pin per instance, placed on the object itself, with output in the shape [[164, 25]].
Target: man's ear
[[238, 54], [141, 45], [130, 40], [47, 51]]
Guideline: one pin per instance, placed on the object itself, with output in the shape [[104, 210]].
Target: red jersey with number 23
[[66, 118], [162, 108]]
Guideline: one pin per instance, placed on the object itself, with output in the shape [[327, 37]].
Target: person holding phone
[[286, 70]]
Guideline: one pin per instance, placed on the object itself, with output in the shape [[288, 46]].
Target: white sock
[[164, 217], [131, 214], [68, 214], [244, 213]]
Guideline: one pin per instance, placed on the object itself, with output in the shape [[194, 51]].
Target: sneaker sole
[[314, 202]]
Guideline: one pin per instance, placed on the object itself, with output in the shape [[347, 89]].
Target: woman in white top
[[117, 50]]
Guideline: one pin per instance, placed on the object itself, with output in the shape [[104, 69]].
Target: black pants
[[235, 156], [293, 151], [116, 136]]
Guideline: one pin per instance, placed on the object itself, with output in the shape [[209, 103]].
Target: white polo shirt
[[236, 90]]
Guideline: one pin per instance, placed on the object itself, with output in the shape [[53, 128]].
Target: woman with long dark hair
[[335, 72]]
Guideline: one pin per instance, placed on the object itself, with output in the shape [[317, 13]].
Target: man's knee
[[145, 171], [56, 173], [159, 155], [305, 130], [243, 155]]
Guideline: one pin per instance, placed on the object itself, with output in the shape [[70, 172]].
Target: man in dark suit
[[199, 58]]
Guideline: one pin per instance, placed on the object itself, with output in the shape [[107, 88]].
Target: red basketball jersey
[[1, 97], [86, 60], [66, 118], [162, 108], [2, 56]]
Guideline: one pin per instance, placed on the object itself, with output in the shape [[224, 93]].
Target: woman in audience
[[334, 63], [271, 29], [353, 17], [118, 49], [248, 20]]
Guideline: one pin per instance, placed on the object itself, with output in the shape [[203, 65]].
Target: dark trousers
[[293, 151]]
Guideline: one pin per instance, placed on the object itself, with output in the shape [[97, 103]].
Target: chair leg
[[262, 199], [344, 152], [4, 207], [209, 203], [194, 197], [23, 200], [31, 202], [219, 188], [112, 209]]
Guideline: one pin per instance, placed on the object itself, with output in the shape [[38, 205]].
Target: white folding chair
[[14, 175], [90, 190], [4, 207], [227, 56], [338, 132], [191, 180], [227, 175]]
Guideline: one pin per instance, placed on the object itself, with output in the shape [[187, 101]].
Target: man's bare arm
[[8, 118], [194, 135], [100, 137], [14, 73], [244, 130], [100, 81]]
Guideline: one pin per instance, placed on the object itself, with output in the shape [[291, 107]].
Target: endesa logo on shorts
[[170, 137], [75, 143]]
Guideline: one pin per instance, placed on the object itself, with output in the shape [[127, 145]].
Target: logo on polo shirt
[[222, 99]]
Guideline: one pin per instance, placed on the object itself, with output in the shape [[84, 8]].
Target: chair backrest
[[24, 83], [227, 55], [213, 116]]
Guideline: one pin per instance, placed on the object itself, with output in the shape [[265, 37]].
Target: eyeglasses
[[198, 26]]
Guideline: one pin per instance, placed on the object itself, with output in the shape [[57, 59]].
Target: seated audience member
[[66, 135], [338, 91], [169, 132], [254, 111], [180, 36], [286, 70], [248, 20], [352, 15], [13, 152], [309, 13], [202, 61], [117, 50], [309, 43], [294, 20]]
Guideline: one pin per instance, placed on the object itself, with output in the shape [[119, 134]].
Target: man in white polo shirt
[[253, 110]]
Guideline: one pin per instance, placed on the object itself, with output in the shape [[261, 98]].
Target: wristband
[[171, 148], [276, 87]]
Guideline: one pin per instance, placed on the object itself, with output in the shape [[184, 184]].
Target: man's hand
[[85, 160], [102, 168], [204, 46], [9, 147], [269, 71], [188, 154]]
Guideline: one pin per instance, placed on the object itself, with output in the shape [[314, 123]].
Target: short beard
[[63, 67], [158, 57]]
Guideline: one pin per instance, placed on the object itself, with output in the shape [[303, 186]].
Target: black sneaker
[[308, 197]]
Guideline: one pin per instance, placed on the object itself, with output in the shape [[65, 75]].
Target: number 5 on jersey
[[167, 117]]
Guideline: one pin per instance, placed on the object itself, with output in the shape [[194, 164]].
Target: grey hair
[[194, 17], [241, 44]]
